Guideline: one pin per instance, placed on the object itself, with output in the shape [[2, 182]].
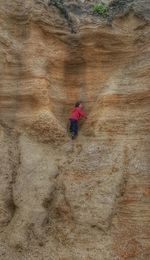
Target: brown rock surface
[[87, 198]]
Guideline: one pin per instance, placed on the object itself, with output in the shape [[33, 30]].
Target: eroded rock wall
[[87, 198]]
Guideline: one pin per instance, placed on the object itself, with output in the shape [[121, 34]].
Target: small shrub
[[100, 8]]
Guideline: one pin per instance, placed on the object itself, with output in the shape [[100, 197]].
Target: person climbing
[[76, 113]]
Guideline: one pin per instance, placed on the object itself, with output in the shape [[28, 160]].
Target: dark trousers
[[74, 126]]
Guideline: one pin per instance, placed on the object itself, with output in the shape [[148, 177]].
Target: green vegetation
[[100, 9]]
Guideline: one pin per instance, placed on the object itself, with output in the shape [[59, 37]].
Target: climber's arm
[[82, 113]]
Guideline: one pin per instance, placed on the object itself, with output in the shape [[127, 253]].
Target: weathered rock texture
[[88, 198]]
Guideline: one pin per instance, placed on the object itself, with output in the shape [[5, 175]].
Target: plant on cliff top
[[100, 8]]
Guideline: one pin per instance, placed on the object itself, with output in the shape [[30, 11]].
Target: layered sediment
[[87, 198]]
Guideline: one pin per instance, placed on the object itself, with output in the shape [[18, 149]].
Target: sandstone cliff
[[88, 198]]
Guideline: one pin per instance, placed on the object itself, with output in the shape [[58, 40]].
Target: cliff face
[[87, 198]]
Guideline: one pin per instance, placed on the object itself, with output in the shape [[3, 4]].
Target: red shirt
[[77, 113]]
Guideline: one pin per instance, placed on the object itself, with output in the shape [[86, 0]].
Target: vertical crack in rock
[[74, 73], [59, 4], [10, 161]]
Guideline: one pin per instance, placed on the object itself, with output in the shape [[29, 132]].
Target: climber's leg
[[73, 127]]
